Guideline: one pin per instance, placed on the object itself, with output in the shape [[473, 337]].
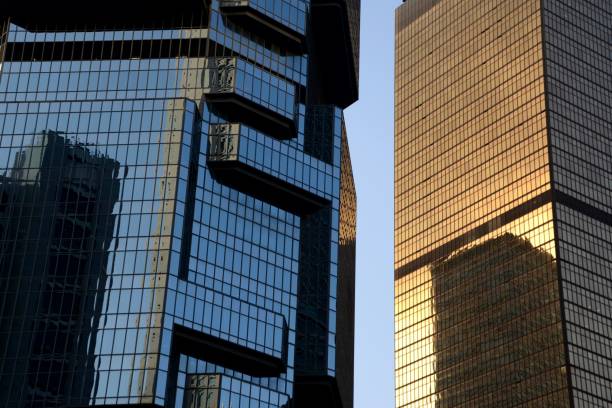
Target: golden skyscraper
[[503, 203]]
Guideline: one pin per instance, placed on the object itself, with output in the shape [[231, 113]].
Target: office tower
[[503, 210], [177, 207]]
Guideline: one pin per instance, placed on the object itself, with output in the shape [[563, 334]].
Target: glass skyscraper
[[503, 203], [177, 207]]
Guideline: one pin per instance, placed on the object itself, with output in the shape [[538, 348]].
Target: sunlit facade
[[503, 204], [177, 207]]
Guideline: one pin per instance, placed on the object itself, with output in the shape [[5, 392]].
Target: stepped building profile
[[177, 207]]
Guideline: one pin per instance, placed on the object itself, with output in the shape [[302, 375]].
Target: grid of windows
[[577, 49], [585, 253], [272, 157], [251, 82], [578, 67], [235, 390], [503, 204], [478, 317], [291, 13], [482, 326], [457, 105], [140, 266], [123, 290]]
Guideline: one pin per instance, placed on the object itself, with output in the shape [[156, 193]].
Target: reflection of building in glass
[[229, 278], [503, 204], [57, 226], [505, 336]]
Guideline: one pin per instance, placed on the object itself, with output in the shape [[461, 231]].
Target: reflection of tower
[[505, 336], [56, 218]]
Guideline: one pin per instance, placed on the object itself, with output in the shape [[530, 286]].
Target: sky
[[370, 130]]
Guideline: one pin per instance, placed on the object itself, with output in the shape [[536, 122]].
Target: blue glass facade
[[177, 211]]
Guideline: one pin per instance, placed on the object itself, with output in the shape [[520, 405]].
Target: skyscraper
[[58, 201], [177, 208], [503, 206]]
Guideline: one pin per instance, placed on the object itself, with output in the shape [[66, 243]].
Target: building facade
[[177, 207], [503, 206]]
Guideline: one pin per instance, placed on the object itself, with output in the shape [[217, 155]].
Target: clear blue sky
[[370, 129]]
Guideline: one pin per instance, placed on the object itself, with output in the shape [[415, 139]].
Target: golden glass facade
[[483, 282], [503, 204], [471, 137]]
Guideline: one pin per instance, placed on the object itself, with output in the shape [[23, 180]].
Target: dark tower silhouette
[[505, 337], [57, 221]]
